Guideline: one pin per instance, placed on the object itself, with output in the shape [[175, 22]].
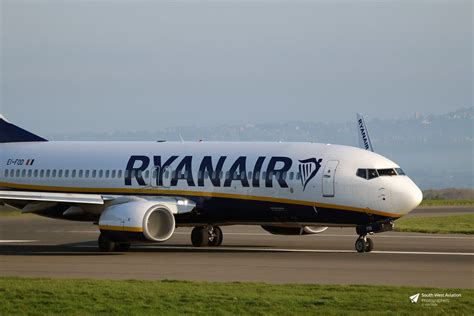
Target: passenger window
[[298, 176], [23, 173], [249, 175], [60, 173], [6, 173], [86, 174], [372, 173], [362, 173], [17, 173], [119, 174], [12, 173], [94, 173], [81, 173], [53, 174], [147, 174], [66, 173], [48, 173], [30, 172], [113, 173], [36, 173], [101, 173], [264, 175], [73, 174], [42, 173], [292, 174]]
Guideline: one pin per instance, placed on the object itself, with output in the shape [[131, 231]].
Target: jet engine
[[138, 221], [292, 230]]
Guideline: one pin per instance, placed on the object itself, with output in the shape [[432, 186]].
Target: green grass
[[454, 224], [442, 202], [104, 297]]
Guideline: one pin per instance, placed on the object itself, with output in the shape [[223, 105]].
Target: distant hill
[[436, 150], [449, 194]]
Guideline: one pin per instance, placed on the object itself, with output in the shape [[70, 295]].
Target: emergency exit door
[[329, 178]]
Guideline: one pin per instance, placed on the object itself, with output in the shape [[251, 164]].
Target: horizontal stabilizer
[[10, 133]]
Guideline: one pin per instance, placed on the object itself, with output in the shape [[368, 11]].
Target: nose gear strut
[[365, 244]]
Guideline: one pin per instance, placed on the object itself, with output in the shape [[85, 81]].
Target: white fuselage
[[309, 174]]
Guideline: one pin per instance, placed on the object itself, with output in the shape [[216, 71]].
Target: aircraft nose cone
[[411, 197]]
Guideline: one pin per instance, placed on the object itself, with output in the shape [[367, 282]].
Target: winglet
[[10, 133], [364, 138]]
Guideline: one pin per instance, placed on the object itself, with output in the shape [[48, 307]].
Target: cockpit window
[[386, 172], [372, 173], [362, 173], [400, 172]]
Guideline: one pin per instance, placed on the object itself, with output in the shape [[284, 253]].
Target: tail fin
[[364, 138], [10, 133]]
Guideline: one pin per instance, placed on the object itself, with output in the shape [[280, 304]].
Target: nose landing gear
[[203, 236], [365, 244]]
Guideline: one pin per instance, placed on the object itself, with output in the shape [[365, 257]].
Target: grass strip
[[84, 297], [453, 224], [443, 202]]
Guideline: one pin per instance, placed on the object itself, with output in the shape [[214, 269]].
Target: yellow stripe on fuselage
[[122, 228], [185, 193]]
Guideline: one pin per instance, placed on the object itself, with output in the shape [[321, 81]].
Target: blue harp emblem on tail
[[308, 170]]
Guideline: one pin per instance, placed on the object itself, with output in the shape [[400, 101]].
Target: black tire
[[360, 245], [123, 247], [219, 236], [369, 245], [200, 236], [106, 244]]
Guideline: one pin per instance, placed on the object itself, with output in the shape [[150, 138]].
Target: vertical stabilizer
[[364, 138], [10, 133]]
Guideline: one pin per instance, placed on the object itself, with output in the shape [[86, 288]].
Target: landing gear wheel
[[360, 245], [200, 236], [106, 244], [215, 237], [369, 245], [123, 247]]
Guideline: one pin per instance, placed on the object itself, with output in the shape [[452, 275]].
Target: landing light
[[182, 202]]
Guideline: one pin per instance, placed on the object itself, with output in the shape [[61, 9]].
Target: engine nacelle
[[311, 230], [294, 231], [138, 221]]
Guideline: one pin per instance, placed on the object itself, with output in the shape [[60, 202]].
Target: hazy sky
[[127, 65]]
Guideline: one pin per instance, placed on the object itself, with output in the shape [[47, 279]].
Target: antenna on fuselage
[[364, 138]]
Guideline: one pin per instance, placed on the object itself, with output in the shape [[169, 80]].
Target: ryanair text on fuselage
[[212, 167]]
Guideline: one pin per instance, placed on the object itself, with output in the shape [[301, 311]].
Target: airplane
[[141, 191]]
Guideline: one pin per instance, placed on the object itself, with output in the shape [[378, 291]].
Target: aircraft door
[[329, 178]]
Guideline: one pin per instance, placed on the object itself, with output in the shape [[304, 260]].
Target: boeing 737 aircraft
[[142, 191]]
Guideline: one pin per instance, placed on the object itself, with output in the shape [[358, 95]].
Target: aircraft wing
[[53, 197]]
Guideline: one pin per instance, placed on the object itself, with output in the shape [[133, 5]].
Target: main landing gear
[[203, 236], [365, 244], [108, 245]]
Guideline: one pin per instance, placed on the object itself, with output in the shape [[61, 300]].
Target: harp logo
[[308, 170]]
